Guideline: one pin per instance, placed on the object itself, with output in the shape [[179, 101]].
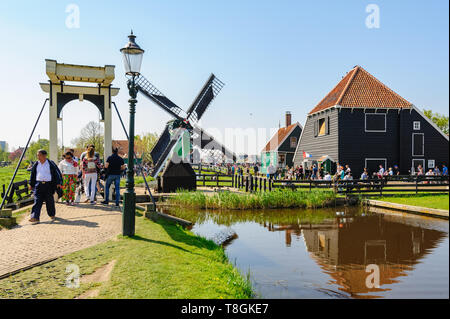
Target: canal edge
[[417, 210]]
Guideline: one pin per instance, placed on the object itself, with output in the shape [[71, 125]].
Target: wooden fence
[[388, 184]]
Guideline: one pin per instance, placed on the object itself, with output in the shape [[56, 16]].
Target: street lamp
[[132, 58]]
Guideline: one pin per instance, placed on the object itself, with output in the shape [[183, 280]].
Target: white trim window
[[431, 163], [415, 164], [416, 125], [374, 125], [378, 162], [418, 145]]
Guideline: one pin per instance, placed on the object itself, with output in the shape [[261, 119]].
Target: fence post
[[246, 183], [270, 184], [381, 186], [417, 184], [204, 181], [265, 184], [217, 179], [232, 181], [251, 183]]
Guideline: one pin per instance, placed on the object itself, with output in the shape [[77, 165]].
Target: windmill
[[184, 124]]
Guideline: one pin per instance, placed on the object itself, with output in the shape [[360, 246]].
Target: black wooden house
[[363, 123], [280, 150]]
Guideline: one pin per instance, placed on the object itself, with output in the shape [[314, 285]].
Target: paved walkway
[[75, 228]]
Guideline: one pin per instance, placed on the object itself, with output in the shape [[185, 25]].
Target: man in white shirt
[[45, 178]]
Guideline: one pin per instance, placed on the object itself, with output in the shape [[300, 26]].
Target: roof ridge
[[384, 85], [355, 70], [326, 95]]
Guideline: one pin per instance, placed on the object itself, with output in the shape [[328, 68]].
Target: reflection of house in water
[[344, 249]]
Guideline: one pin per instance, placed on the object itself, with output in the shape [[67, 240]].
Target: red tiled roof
[[359, 88], [278, 138]]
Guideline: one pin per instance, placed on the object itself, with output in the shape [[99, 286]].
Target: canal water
[[333, 253]]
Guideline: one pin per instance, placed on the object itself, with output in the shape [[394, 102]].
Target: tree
[[34, 147], [144, 144], [92, 133], [3, 155], [439, 119]]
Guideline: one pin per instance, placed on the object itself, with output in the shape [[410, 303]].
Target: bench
[[22, 194]]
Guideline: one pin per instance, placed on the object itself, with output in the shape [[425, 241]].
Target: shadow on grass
[[177, 233], [140, 238]]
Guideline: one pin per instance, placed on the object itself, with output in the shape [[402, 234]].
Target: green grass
[[423, 200], [138, 180], [260, 200], [7, 172], [161, 261]]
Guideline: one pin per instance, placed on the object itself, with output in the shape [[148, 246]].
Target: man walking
[[45, 178], [114, 166]]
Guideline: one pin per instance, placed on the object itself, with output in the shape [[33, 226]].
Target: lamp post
[[132, 58]]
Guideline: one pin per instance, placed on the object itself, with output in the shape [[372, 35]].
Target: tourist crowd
[[317, 172]]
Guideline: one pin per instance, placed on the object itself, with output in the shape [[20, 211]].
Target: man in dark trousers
[[114, 166], [45, 179]]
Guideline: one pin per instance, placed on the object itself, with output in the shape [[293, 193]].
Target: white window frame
[[418, 125], [375, 114], [434, 163], [423, 144], [376, 159]]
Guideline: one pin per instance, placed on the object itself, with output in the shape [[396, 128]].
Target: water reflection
[[340, 245]]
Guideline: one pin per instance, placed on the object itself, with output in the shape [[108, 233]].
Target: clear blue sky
[[273, 56]]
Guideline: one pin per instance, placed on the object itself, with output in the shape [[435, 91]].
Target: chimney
[[288, 118]]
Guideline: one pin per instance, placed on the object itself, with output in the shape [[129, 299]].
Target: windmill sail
[[205, 141], [150, 91], [208, 92], [174, 140], [160, 145]]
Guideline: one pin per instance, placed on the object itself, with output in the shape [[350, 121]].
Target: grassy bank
[[261, 200], [422, 200], [7, 172], [161, 261]]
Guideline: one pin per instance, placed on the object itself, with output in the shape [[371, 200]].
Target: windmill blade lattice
[[150, 91], [209, 91]]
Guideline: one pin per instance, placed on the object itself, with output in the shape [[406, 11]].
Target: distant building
[[280, 150], [16, 154], [122, 145], [363, 123]]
